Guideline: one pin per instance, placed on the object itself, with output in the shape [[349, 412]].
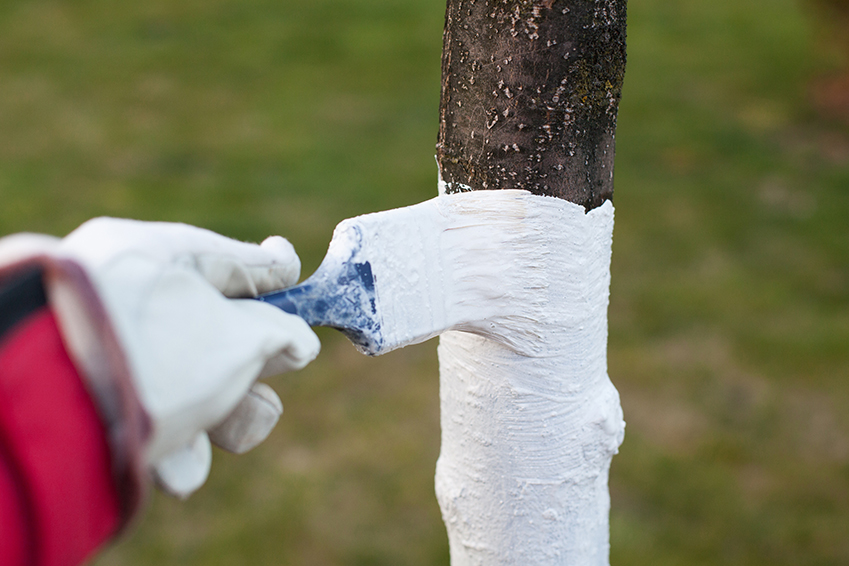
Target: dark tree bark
[[530, 92]]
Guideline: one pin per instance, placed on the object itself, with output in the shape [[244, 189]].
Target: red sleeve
[[58, 500]]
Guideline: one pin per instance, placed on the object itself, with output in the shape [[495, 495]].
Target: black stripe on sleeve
[[20, 297]]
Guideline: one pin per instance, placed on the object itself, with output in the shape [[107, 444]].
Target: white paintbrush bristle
[[495, 263]]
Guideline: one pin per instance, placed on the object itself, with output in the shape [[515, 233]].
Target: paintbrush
[[475, 261]]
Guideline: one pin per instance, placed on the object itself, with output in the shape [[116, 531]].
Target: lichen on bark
[[530, 94]]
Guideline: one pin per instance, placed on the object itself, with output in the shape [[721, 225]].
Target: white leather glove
[[193, 354]]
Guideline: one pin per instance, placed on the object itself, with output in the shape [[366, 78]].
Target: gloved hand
[[193, 354]]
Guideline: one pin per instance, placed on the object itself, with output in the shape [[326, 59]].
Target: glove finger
[[183, 471], [273, 265], [300, 346], [251, 421], [237, 269], [287, 265]]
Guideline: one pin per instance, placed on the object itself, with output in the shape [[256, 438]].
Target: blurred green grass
[[729, 320]]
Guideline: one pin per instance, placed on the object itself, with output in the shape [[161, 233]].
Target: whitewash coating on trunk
[[517, 284], [529, 428]]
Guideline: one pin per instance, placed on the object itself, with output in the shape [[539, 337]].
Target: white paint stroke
[[530, 419], [487, 262]]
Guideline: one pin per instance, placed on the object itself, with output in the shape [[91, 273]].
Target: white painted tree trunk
[[528, 437]]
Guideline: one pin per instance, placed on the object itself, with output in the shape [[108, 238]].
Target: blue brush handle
[[300, 300]]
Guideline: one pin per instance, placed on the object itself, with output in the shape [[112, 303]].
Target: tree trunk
[[530, 92]]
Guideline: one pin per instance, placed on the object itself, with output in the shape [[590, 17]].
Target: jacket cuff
[[93, 347]]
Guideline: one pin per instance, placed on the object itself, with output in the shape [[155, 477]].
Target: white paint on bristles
[[530, 419], [487, 262]]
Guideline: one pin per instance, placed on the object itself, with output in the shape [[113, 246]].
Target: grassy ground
[[730, 302]]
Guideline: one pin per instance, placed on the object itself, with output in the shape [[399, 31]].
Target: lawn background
[[729, 318]]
